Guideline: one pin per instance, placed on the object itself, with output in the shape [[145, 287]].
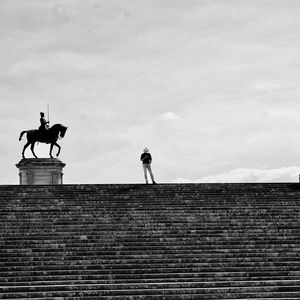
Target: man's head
[[42, 114], [146, 150]]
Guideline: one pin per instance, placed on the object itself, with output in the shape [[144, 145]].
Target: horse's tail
[[21, 134]]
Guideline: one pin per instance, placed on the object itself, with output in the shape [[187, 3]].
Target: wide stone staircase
[[166, 241]]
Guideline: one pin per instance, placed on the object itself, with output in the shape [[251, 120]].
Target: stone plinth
[[34, 171]]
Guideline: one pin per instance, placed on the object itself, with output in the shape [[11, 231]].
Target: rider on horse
[[44, 126], [44, 135]]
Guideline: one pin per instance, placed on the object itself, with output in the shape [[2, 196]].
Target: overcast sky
[[210, 87]]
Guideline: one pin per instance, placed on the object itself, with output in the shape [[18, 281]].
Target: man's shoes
[[154, 182]]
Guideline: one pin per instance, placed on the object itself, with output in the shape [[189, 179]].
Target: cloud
[[284, 174], [286, 115], [170, 116], [267, 86]]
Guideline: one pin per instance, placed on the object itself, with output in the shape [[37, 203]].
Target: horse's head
[[63, 130], [58, 131]]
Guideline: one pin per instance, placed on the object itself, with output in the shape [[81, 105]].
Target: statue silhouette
[[49, 136], [44, 124]]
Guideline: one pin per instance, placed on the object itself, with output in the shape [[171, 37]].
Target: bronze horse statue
[[49, 136]]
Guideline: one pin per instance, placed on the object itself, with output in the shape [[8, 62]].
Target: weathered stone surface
[[35, 171], [170, 241]]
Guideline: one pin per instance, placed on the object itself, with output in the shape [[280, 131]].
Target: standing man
[[146, 160]]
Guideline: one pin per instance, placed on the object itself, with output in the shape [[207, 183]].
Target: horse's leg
[[24, 148], [58, 148], [32, 149], [51, 147]]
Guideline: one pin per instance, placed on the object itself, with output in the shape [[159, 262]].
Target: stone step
[[75, 234], [290, 284], [282, 296], [155, 194], [93, 230], [120, 247], [178, 228], [208, 228], [60, 249], [176, 198], [144, 278], [66, 259], [161, 191], [215, 292], [37, 256], [146, 274], [253, 296], [137, 203], [180, 253], [140, 224], [192, 225], [193, 221], [64, 249], [179, 231], [140, 208], [184, 199], [224, 238], [180, 217], [161, 216], [154, 268], [26, 210], [201, 243], [138, 269], [188, 199], [259, 211], [77, 255]]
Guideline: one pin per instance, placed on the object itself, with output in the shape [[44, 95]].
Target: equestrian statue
[[44, 134]]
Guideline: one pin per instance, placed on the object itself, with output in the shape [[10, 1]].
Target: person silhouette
[[44, 126], [147, 160]]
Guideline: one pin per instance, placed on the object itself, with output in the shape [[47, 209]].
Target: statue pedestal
[[34, 171]]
